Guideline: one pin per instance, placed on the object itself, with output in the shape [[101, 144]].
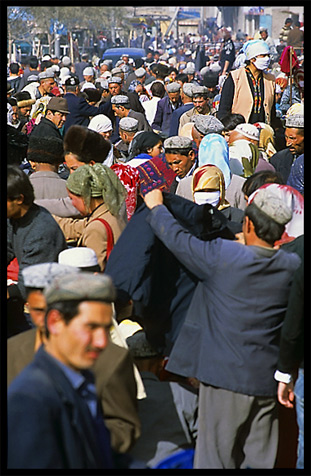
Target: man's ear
[[192, 155], [54, 322]]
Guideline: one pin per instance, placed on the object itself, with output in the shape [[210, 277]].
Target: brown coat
[[115, 385], [92, 234], [243, 99]]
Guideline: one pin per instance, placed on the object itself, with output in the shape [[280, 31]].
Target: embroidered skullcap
[[48, 73], [120, 99], [88, 85], [41, 275], [32, 78], [272, 205], [128, 124], [207, 124], [114, 79], [84, 286], [88, 71], [248, 130], [254, 48], [140, 72], [295, 121], [177, 142], [100, 123], [80, 256], [297, 108], [116, 71], [139, 347], [98, 180], [173, 87]]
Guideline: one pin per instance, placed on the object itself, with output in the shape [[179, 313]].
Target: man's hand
[[153, 198], [286, 394]]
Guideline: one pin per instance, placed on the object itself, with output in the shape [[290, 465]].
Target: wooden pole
[[290, 74]]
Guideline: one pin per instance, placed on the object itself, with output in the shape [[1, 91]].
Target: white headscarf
[[100, 123]]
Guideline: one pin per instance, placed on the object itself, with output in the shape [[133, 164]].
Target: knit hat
[[295, 121], [248, 130], [98, 180], [45, 150], [86, 144], [254, 48], [41, 275], [81, 287], [271, 204]]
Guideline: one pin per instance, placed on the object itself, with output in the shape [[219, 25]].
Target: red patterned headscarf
[[129, 177]]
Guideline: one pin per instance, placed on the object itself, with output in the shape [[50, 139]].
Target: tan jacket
[[92, 234], [186, 117], [115, 386], [243, 99]]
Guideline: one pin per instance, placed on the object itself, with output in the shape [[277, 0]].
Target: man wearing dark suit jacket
[[54, 420], [165, 108]]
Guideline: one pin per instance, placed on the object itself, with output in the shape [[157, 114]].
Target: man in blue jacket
[[165, 108], [54, 420], [230, 337], [80, 110]]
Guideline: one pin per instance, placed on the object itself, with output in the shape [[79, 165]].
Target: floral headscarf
[[295, 201], [210, 177], [98, 180], [214, 150], [266, 140], [129, 176]]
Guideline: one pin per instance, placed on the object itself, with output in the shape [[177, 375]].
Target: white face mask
[[207, 197], [262, 63]]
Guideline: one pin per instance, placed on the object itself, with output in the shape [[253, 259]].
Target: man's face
[[47, 85], [106, 135], [14, 207], [201, 104], [89, 78], [79, 342], [24, 111], [174, 97], [72, 162], [114, 89], [103, 68], [15, 115], [37, 307], [118, 110], [125, 59], [180, 164], [263, 35], [58, 118], [294, 140]]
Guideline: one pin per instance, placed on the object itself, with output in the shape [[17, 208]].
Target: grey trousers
[[235, 430]]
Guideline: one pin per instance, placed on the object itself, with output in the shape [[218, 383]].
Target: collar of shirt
[[188, 174]]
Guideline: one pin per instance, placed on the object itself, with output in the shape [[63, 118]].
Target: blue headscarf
[[214, 150]]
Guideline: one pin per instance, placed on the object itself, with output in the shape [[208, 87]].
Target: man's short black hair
[[179, 151], [157, 89], [258, 179], [33, 62], [182, 77], [18, 184], [14, 68], [265, 228], [68, 309], [230, 121]]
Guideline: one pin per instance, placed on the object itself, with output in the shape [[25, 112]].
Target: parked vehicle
[[115, 53]]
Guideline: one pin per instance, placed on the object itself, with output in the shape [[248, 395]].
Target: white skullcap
[[80, 257], [254, 48], [248, 130], [100, 123], [88, 85], [88, 71]]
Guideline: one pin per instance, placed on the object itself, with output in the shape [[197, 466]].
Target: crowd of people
[[155, 245]]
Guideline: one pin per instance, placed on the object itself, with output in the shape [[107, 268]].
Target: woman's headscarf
[[129, 176], [210, 177], [143, 141], [295, 201], [214, 150], [98, 180], [100, 123], [266, 140], [243, 157]]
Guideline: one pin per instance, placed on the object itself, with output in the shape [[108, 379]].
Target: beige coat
[[92, 234]]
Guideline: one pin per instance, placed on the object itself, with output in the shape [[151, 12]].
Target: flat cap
[[187, 89], [295, 121], [80, 256], [88, 71], [248, 130], [129, 124], [120, 99], [58, 104], [199, 90], [114, 79], [272, 205], [140, 72], [206, 124], [41, 275], [48, 73], [139, 347], [32, 78], [173, 87], [177, 142], [84, 286]]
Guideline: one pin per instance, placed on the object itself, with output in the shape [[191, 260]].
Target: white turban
[[100, 123], [254, 48]]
